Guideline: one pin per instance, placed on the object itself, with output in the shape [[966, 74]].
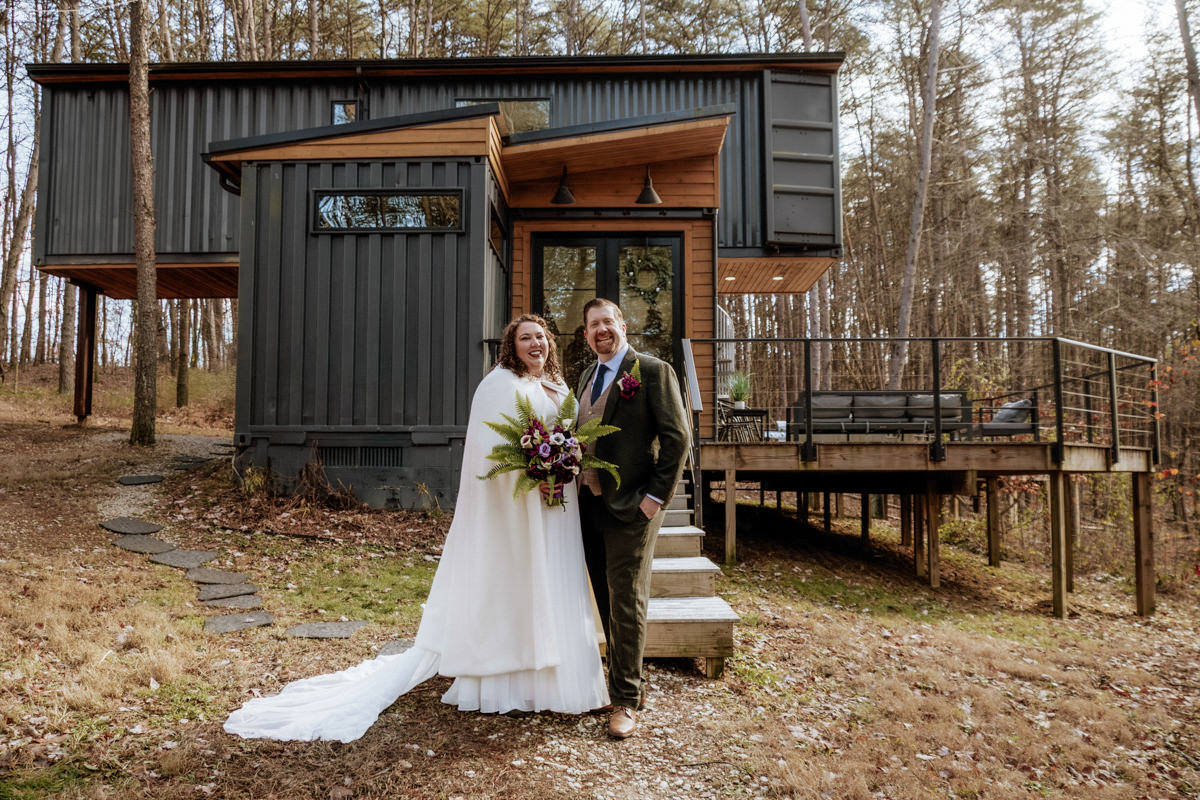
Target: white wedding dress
[[509, 614]]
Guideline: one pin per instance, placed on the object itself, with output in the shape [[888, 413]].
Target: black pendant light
[[563, 196], [648, 197]]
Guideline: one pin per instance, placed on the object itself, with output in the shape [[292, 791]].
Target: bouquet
[[547, 450]]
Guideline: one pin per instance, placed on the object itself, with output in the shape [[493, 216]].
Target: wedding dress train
[[508, 616]]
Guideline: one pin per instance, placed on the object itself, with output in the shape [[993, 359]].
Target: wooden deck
[[909, 470]]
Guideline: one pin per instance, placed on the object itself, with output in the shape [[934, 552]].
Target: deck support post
[[933, 522], [917, 507], [85, 353], [993, 520], [1143, 543], [828, 517], [906, 520], [1072, 510], [864, 535], [714, 667], [730, 516], [1058, 543]]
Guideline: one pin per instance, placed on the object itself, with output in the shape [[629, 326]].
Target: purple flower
[[544, 450]]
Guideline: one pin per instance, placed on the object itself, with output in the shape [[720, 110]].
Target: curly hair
[[508, 349]]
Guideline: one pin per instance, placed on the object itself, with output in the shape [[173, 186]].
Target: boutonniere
[[630, 382]]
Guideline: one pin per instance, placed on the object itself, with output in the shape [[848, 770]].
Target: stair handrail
[[694, 404]]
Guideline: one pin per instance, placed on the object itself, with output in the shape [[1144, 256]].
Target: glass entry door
[[640, 273]]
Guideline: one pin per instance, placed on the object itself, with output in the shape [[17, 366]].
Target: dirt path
[[851, 680]]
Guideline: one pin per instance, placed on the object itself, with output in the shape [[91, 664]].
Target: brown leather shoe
[[622, 723], [608, 707]]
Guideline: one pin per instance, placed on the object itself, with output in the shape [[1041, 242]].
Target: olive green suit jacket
[[650, 448]]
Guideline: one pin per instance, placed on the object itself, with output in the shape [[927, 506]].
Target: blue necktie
[[598, 383]]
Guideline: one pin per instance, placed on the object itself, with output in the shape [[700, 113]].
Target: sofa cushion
[[920, 406], [826, 406], [879, 406], [1016, 411]]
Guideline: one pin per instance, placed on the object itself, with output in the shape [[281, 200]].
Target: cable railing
[[963, 389]]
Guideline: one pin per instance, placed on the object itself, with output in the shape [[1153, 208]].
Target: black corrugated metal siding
[[358, 330], [363, 349]]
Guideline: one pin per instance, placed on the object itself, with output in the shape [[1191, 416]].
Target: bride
[[509, 614]]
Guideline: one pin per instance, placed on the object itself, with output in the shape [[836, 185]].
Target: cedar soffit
[[451, 133], [636, 143], [174, 280], [770, 276]]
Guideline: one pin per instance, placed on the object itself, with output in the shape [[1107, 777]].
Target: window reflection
[[345, 211]]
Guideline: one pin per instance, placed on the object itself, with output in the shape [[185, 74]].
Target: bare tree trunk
[[182, 365], [642, 24], [1189, 52], [40, 354], [145, 356], [899, 354], [314, 38], [164, 31], [805, 28], [27, 328]]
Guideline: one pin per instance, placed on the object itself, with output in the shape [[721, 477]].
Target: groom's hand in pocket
[[649, 507]]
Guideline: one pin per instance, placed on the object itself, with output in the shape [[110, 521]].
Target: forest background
[[1009, 168]]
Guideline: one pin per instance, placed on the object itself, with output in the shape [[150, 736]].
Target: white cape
[[508, 616]]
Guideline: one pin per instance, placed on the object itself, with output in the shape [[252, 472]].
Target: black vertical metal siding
[[356, 331], [86, 145], [576, 101], [85, 154]]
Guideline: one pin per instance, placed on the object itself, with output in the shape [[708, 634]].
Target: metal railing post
[[1155, 442], [1114, 418], [808, 452], [1058, 451], [937, 450]]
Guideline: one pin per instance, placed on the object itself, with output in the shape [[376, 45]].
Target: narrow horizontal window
[[519, 115], [387, 210]]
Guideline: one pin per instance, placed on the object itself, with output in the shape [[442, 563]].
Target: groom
[[640, 395]]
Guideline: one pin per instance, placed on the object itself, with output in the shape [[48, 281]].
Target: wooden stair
[[685, 618]]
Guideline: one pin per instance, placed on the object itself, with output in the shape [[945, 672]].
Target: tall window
[[380, 210], [344, 111], [520, 114]]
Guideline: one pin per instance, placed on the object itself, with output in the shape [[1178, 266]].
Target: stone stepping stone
[[138, 480], [396, 647], [325, 630], [218, 591], [143, 544], [237, 622], [129, 525], [184, 559], [209, 575], [241, 601]]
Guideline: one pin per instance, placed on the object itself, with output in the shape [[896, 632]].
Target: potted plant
[[739, 389]]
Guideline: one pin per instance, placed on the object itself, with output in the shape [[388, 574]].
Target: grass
[[850, 678], [387, 590], [58, 779]]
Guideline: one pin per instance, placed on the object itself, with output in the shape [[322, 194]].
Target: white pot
[[739, 403]]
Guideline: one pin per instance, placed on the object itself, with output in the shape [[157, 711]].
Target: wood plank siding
[[175, 280], [681, 183], [698, 294]]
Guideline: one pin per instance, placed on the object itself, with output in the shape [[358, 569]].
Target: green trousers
[[619, 556]]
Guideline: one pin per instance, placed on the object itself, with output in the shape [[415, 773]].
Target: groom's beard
[[606, 348]]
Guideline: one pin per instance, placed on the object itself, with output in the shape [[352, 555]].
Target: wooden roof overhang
[[471, 131], [176, 280], [606, 163], [791, 275], [368, 69]]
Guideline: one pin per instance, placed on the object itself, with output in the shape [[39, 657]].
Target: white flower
[[526, 441], [557, 438]]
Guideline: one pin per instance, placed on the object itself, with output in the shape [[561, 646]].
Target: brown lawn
[[851, 679]]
